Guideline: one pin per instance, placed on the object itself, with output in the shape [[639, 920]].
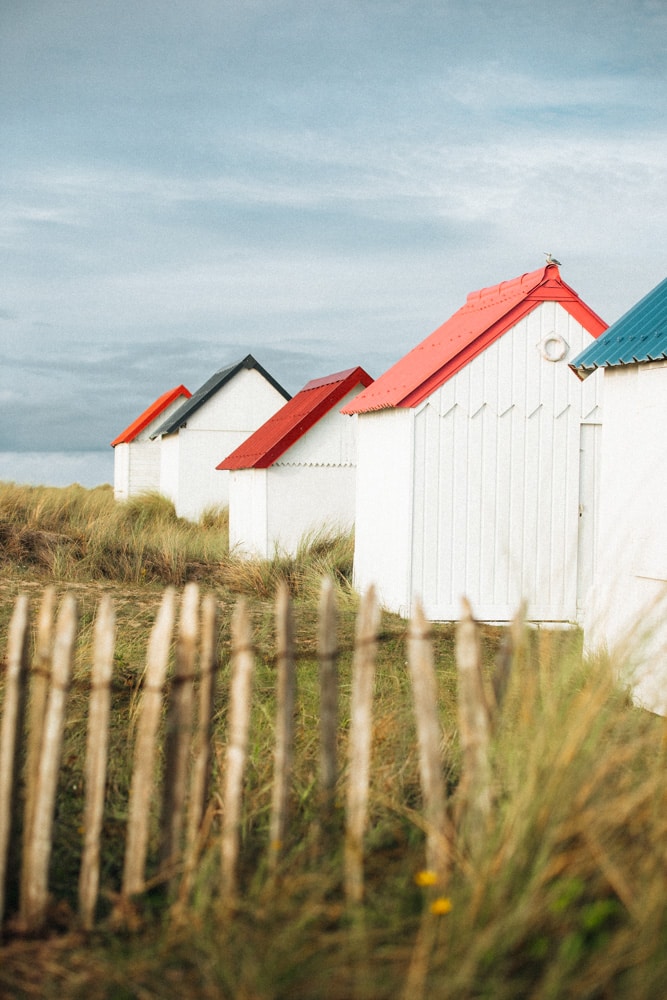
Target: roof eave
[[144, 420], [294, 433], [201, 397], [547, 287], [582, 372]]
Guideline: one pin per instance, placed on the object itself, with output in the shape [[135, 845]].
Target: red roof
[[486, 316], [150, 414], [291, 422]]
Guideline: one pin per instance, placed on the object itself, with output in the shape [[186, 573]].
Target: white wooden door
[[589, 478]]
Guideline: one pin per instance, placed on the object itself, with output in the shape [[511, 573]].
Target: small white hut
[[477, 458], [136, 458], [628, 611], [217, 418], [295, 475]]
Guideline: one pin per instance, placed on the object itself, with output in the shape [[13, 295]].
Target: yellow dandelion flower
[[440, 906], [426, 877]]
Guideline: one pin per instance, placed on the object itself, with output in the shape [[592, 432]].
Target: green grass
[[563, 894]]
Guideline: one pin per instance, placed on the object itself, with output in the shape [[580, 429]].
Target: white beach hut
[[477, 460], [136, 459], [217, 418], [296, 474], [627, 616]]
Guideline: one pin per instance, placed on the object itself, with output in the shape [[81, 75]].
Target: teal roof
[[639, 335]]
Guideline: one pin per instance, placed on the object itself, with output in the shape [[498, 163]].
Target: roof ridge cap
[[335, 377], [529, 280]]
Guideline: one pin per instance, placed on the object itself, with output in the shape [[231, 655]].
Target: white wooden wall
[[310, 488], [137, 464], [492, 503], [169, 466], [306, 500], [136, 467], [384, 497], [121, 471], [188, 472], [628, 613], [248, 519]]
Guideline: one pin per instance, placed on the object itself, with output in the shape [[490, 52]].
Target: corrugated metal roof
[[209, 388], [291, 422], [150, 414], [639, 335], [486, 315]]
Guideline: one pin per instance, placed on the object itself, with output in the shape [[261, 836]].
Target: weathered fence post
[[179, 734], [201, 765], [510, 649], [237, 745], [40, 677], [327, 652], [286, 694], [11, 734], [359, 747], [96, 758], [33, 905], [143, 772], [474, 793], [425, 701]]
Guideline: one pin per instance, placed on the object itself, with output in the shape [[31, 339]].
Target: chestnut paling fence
[[34, 715]]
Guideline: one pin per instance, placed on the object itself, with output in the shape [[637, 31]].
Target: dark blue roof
[[639, 335], [208, 389]]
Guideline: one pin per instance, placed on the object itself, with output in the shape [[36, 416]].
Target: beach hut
[[136, 459], [295, 476], [627, 615], [228, 407], [477, 457]]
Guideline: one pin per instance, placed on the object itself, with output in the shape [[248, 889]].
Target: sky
[[320, 184]]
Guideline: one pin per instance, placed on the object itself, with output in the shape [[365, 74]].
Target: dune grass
[[77, 535], [83, 535], [562, 894]]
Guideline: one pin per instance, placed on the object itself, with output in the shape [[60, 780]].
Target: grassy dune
[[79, 535], [563, 894]]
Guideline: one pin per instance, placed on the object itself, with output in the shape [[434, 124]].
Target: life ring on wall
[[553, 347]]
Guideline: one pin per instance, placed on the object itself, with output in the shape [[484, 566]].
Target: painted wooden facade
[[295, 476], [477, 461], [627, 616], [220, 415], [136, 454]]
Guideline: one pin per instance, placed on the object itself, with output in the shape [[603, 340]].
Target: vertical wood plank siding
[[496, 479]]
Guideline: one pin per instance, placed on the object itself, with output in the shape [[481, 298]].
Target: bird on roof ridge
[[550, 259]]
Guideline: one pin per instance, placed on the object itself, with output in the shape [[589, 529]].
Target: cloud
[[493, 87], [112, 386], [206, 240], [319, 184]]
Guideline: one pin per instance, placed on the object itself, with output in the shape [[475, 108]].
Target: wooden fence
[[33, 720]]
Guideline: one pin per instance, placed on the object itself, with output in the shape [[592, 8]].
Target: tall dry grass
[[563, 893], [79, 535]]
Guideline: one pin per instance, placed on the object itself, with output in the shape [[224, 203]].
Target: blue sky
[[321, 184]]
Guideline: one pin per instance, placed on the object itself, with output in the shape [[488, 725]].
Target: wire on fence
[[182, 705]]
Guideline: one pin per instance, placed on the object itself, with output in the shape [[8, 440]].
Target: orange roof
[[485, 317], [291, 422], [150, 414]]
